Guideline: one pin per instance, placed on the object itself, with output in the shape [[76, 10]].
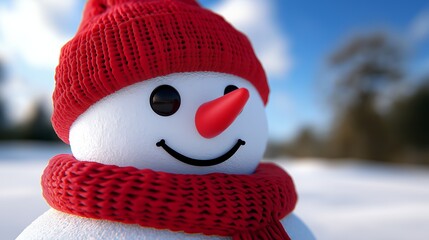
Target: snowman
[[163, 105]]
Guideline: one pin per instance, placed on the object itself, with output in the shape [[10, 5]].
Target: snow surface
[[342, 201]]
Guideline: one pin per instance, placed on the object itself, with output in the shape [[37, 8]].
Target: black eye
[[229, 89], [165, 100]]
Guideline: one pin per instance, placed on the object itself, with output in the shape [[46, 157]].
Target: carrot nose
[[214, 117]]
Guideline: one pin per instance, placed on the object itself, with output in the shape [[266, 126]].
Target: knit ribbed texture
[[241, 206], [122, 42]]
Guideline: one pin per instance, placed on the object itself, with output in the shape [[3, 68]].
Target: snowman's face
[[152, 124]]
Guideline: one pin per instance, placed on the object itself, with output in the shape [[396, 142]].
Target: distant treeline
[[36, 127], [368, 70]]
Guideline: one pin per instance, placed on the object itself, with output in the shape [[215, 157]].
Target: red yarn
[[122, 42], [241, 206]]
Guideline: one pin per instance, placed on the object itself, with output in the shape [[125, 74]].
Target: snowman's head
[[197, 123], [166, 85]]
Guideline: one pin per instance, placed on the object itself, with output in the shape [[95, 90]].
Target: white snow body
[[58, 225], [122, 129]]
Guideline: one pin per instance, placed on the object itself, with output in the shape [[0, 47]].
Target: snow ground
[[342, 201]]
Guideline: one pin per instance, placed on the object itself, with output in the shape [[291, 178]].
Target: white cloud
[[30, 42], [62, 6], [419, 29], [256, 19], [26, 31]]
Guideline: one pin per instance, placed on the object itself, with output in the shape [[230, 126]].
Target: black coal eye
[[165, 100], [229, 89]]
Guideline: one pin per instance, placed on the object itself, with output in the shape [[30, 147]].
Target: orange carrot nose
[[212, 118]]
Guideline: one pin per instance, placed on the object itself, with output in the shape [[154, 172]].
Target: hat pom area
[[122, 42], [94, 8]]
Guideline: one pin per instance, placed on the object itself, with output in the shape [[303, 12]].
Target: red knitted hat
[[122, 42]]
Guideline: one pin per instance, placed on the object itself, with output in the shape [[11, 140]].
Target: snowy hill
[[347, 201]]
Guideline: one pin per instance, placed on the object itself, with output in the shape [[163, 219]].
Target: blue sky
[[292, 38]]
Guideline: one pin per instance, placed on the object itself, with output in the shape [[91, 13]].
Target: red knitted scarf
[[241, 206]]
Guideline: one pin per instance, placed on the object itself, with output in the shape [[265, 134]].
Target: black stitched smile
[[198, 162]]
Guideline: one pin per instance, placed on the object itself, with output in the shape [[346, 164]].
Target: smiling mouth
[[201, 162]]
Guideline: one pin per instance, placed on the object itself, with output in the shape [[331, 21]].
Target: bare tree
[[363, 68]]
